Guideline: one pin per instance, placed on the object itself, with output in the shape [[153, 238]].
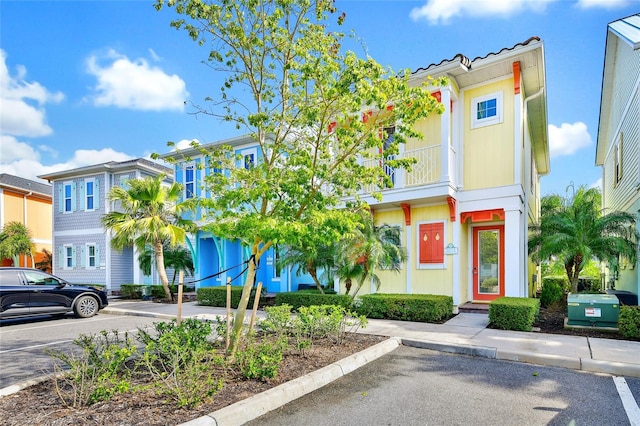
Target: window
[[123, 182], [276, 263], [68, 257], [486, 110], [91, 256], [431, 243], [89, 194], [388, 134], [68, 198], [189, 182], [617, 160], [249, 161]]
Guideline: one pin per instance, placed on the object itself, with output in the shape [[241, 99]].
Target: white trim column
[[445, 132], [512, 253]]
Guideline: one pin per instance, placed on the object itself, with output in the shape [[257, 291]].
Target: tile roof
[[16, 182], [468, 63]]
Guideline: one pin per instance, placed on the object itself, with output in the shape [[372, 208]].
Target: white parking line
[[4, 330], [628, 401], [23, 348]]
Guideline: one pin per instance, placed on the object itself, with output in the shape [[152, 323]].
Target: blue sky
[[84, 82]]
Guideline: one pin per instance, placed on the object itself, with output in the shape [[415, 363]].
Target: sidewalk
[[465, 334]]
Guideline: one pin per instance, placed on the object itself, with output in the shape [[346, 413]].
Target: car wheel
[[86, 306]]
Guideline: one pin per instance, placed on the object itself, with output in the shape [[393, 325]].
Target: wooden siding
[[620, 195], [489, 150]]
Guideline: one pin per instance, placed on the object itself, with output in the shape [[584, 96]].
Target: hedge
[[217, 296], [551, 293], [296, 299], [134, 291], [513, 313], [406, 307], [629, 321]]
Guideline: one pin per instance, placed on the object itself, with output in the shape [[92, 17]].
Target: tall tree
[[314, 110], [149, 214], [15, 240], [576, 230], [372, 248]]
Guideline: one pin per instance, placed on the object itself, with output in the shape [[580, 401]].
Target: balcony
[[427, 170]]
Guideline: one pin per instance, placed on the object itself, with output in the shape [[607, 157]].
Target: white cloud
[[441, 11], [604, 4], [20, 159], [135, 84], [12, 149], [568, 138], [23, 112]]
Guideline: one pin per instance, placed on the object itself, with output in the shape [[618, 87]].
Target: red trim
[[332, 126], [482, 215], [366, 116], [406, 208], [438, 95], [516, 78], [452, 208], [476, 286]]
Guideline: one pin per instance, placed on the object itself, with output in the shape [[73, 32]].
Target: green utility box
[[593, 310]]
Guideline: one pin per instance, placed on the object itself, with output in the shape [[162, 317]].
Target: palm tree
[[149, 214], [372, 248], [15, 240], [576, 230], [310, 258], [177, 258]]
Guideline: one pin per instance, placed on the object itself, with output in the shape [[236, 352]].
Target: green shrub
[[181, 361], [551, 293], [217, 296], [261, 360], [406, 307], [309, 298], [513, 313], [562, 281], [629, 321], [277, 320], [131, 291], [95, 373]]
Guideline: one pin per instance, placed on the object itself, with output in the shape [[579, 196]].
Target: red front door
[[488, 262]]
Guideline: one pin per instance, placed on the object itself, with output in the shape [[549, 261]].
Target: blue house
[[217, 259]]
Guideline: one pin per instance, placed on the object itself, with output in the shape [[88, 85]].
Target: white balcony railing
[[427, 169]]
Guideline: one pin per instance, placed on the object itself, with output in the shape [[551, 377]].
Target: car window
[[39, 278], [9, 277]]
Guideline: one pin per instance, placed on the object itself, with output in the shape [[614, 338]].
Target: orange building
[[28, 202]]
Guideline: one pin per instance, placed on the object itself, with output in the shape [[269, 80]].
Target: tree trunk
[[161, 271], [314, 275], [236, 332]]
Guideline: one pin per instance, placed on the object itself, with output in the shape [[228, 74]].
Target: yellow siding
[[431, 281], [14, 207], [391, 282], [39, 218], [430, 128], [489, 150]]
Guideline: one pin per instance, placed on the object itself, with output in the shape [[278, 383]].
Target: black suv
[[26, 292]]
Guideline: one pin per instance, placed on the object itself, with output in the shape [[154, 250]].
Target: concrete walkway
[[465, 333]]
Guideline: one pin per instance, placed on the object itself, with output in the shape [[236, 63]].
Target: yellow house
[[27, 202], [465, 207]]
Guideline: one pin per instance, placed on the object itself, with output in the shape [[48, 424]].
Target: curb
[[127, 312], [257, 405]]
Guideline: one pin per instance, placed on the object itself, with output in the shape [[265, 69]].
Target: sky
[[86, 82]]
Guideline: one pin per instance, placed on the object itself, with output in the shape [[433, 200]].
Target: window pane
[[488, 108], [89, 188]]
